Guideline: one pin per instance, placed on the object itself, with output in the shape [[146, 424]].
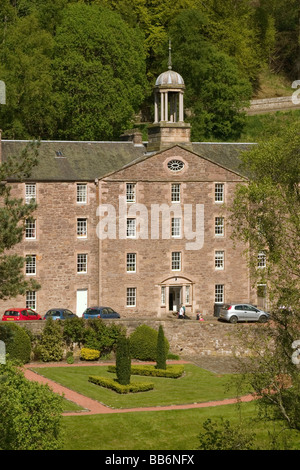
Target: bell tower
[[168, 127]]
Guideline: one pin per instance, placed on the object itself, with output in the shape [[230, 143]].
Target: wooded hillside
[[84, 69]]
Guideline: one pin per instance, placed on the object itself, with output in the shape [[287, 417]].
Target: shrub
[[73, 330], [50, 346], [143, 343], [161, 354], [89, 354], [70, 357], [17, 342], [171, 372], [123, 360], [98, 335], [119, 388], [30, 413]]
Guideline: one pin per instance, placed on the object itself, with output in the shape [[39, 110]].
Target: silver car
[[242, 312]]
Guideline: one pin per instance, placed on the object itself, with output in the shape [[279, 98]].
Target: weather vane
[[170, 56]]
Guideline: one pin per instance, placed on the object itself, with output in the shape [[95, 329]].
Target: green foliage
[[50, 346], [171, 372], [30, 413], [120, 388], [224, 436], [161, 355], [17, 342], [89, 354], [73, 330], [101, 336], [143, 343], [13, 213], [123, 360]]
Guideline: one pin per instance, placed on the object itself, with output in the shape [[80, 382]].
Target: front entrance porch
[[174, 292]]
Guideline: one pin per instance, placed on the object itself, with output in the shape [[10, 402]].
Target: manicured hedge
[[88, 354], [143, 343], [114, 385], [171, 372]]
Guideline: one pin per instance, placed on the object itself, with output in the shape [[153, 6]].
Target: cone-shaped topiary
[[123, 361], [161, 356]]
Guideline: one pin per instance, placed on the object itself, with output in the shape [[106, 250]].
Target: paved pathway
[[92, 407]]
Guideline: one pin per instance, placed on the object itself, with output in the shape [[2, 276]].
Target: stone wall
[[187, 338]]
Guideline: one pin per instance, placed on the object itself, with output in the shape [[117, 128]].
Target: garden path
[[91, 407]]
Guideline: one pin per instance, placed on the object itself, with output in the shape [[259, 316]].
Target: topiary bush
[[89, 354], [143, 343], [161, 353], [123, 360], [17, 342]]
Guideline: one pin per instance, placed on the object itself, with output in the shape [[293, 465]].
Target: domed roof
[[170, 78]]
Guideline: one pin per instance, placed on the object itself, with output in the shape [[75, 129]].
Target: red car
[[19, 314]]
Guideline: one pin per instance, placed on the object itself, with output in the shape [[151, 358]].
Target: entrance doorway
[[175, 298]]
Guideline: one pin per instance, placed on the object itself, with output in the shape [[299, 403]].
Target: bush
[[119, 388], [17, 342], [30, 413], [89, 354], [73, 330], [143, 343], [50, 346], [171, 372], [161, 354], [98, 335], [123, 361]]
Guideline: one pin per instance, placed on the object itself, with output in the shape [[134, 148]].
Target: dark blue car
[[59, 314], [100, 312]]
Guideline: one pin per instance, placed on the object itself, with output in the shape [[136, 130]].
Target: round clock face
[[175, 165]]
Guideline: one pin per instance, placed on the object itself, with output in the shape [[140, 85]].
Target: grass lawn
[[158, 430], [195, 386]]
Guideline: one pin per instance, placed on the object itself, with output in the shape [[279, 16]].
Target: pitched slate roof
[[85, 161]]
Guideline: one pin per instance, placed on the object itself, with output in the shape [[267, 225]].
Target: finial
[[170, 57]]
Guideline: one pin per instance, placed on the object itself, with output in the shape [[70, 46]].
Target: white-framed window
[[30, 192], [176, 261], [130, 192], [30, 267], [219, 192], [31, 299], [131, 262], [187, 295], [261, 259], [219, 259], [30, 229], [131, 297], [131, 228], [175, 192], [81, 228], [82, 263], [219, 226], [81, 195], [219, 293], [176, 227], [163, 295]]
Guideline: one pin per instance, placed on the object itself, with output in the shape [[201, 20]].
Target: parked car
[[59, 314], [20, 314], [242, 312], [100, 312]]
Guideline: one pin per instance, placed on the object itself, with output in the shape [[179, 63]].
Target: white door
[[81, 301]]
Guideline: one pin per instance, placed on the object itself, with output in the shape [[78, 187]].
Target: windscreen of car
[[12, 313], [110, 310], [68, 313], [53, 313], [31, 312]]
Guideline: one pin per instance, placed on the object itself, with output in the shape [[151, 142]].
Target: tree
[[266, 216], [216, 91], [123, 360], [99, 73], [32, 419], [161, 355], [13, 213]]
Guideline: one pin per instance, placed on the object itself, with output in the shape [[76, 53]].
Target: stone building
[[141, 227]]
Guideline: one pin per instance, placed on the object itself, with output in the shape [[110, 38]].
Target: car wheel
[[233, 319], [262, 319]]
